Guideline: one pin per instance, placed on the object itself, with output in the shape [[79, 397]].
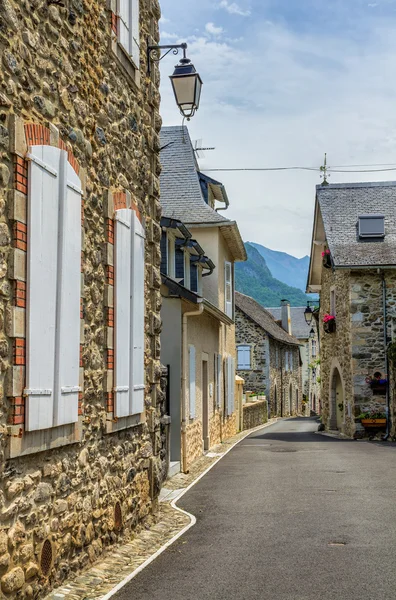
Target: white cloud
[[164, 20], [283, 100], [213, 30], [169, 36], [233, 8]]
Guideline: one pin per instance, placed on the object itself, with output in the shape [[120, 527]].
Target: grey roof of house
[[181, 194], [300, 329], [263, 318], [341, 205]]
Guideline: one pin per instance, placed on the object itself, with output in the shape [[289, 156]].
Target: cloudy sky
[[284, 82]]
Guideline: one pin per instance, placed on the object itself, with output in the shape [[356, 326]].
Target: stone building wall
[[76, 491], [248, 333], [357, 348], [335, 348], [281, 381], [255, 414]]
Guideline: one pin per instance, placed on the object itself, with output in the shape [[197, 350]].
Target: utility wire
[[344, 169]]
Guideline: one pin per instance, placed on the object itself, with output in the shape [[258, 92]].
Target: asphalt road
[[287, 515]]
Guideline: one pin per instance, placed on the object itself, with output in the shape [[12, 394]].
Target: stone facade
[[255, 414], [68, 493], [356, 351], [270, 374]]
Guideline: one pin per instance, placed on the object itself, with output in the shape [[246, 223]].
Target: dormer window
[[371, 226]]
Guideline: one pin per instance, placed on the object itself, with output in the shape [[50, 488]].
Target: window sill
[[33, 442], [114, 425], [126, 63]]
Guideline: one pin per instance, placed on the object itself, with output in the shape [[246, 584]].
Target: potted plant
[[329, 323], [326, 259], [373, 419]]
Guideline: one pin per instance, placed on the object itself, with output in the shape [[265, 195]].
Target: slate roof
[[341, 205], [181, 194], [263, 318], [300, 329]]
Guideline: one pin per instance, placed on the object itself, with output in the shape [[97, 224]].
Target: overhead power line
[[341, 169]]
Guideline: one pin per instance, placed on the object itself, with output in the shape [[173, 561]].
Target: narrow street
[[287, 515]]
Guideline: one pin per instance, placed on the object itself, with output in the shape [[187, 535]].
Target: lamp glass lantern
[[308, 315], [187, 86]]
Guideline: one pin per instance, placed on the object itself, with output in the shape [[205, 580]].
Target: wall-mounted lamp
[[186, 82], [308, 315]]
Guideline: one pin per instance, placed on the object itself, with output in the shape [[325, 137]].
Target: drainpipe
[[386, 355], [193, 313]]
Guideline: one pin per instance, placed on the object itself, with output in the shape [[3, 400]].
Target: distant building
[[268, 356], [308, 335], [353, 260]]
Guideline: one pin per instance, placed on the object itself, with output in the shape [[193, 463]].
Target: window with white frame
[[187, 279], [129, 29], [171, 255], [244, 357], [54, 290], [129, 314], [313, 348], [228, 309]]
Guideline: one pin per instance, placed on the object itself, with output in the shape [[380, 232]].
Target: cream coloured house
[[199, 249]]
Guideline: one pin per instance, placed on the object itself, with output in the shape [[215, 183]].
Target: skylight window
[[371, 226]]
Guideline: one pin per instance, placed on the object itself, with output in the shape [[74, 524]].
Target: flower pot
[[326, 261], [371, 423], [329, 326]]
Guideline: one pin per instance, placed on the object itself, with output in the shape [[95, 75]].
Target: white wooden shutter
[[191, 352], [122, 349], [219, 372], [42, 256], [67, 349], [228, 288], [135, 28], [124, 24], [138, 314], [244, 359]]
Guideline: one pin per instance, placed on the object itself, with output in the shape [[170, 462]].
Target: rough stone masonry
[[64, 81]]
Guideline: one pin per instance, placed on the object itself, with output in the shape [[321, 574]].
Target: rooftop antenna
[[199, 149], [324, 170]]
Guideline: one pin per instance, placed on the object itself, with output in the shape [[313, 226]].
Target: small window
[[244, 357], [313, 348], [128, 28], [187, 281], [228, 289], [371, 226], [171, 256], [194, 277], [333, 302]]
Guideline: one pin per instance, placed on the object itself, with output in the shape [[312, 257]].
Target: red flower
[[327, 318]]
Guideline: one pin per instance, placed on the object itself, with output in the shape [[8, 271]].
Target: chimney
[[286, 317]]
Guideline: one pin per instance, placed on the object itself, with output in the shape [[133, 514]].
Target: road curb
[[192, 518]]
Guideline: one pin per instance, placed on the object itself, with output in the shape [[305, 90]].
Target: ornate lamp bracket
[[154, 53]]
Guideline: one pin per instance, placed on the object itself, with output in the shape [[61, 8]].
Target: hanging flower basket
[[326, 259], [329, 323], [378, 385]]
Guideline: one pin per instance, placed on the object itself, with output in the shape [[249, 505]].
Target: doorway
[[205, 405], [336, 401], [291, 399]]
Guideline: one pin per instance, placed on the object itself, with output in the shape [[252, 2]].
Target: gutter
[[388, 412], [193, 313]]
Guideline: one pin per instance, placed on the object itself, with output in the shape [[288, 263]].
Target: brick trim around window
[[27, 135]]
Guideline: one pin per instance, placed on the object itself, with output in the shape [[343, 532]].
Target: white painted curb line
[[193, 520]]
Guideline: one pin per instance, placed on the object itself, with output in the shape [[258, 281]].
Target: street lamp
[[308, 315], [186, 82]]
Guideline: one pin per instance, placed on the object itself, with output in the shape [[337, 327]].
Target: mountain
[[254, 279], [286, 268]]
